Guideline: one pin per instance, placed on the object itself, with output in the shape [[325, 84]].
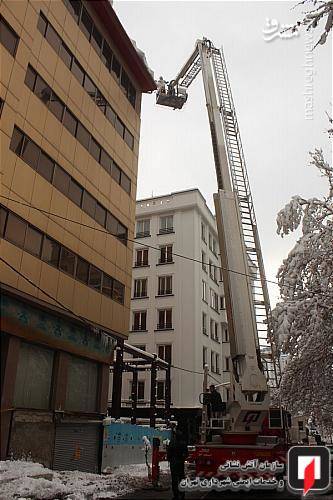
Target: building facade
[[71, 86], [177, 304]]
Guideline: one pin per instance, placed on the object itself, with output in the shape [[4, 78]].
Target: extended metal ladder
[[268, 350]]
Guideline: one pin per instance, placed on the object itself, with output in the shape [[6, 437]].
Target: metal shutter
[[77, 447]]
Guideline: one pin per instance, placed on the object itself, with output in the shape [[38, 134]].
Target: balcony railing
[[141, 263], [140, 295], [164, 326], [165, 292], [166, 230], [167, 260], [142, 234]]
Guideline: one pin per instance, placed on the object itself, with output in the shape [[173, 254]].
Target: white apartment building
[[177, 306]]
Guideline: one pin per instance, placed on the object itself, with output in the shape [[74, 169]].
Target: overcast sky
[[268, 85]]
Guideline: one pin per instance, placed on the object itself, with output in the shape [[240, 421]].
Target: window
[[129, 139], [140, 287], [225, 335], [51, 252], [67, 261], [210, 241], [160, 390], [211, 269], [214, 300], [116, 68], [203, 232], [77, 71], [66, 55], [82, 385], [212, 361], [204, 291], [203, 261], [164, 319], [86, 23], [204, 357], [82, 270], [96, 39], [100, 214], [70, 122], [83, 136], [107, 285], [15, 230], [222, 302], [125, 182], [16, 142], [212, 322], [164, 352], [226, 364], [142, 228], [33, 241], [106, 161], [106, 55], [8, 37], [95, 149], [42, 24], [45, 166], [141, 390], [30, 153], [165, 285], [214, 247], [110, 114], [139, 321], [141, 347], [166, 254], [90, 87], [56, 107], [204, 323], [53, 38], [74, 6], [75, 192], [95, 278], [42, 90], [61, 180], [120, 127], [3, 218], [115, 172], [141, 258], [118, 291], [34, 377], [217, 364], [89, 204], [166, 224], [30, 78]]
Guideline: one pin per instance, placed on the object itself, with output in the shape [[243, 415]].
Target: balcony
[[162, 293]]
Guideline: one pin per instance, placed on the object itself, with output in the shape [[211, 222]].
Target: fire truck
[[250, 427]]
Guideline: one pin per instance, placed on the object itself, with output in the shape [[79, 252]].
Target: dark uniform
[[176, 454]]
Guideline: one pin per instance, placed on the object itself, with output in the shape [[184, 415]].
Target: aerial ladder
[[255, 361]]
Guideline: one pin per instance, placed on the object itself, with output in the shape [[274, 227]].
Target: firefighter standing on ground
[[176, 454]]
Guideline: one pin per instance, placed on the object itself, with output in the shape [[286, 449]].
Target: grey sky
[[268, 85]]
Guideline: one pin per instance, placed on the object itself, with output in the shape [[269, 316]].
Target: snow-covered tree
[[303, 319], [320, 10]]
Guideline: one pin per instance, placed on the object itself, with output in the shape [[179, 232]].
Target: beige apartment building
[[71, 86]]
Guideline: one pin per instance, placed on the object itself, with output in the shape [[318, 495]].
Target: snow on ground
[[21, 480]]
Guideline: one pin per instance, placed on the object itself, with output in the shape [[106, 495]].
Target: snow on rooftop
[[22, 480], [142, 55]]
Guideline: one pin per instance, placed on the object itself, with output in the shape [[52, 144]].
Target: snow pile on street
[[21, 480]]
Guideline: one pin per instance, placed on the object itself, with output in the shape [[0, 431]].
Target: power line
[[81, 317], [138, 242]]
